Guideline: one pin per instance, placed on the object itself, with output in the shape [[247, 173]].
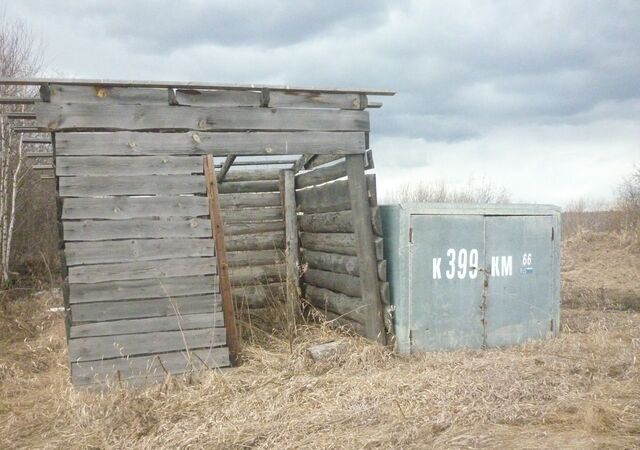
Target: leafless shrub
[[483, 191]]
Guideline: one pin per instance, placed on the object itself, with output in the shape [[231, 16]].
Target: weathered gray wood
[[317, 100], [351, 307], [260, 241], [138, 270], [100, 230], [301, 162], [251, 275], [332, 262], [360, 193], [259, 296], [141, 289], [137, 309], [194, 97], [326, 351], [127, 165], [42, 167], [43, 141], [326, 173], [105, 95], [217, 144], [134, 208], [13, 81], [338, 320], [120, 369], [384, 293], [336, 222], [255, 258], [19, 115], [227, 187], [382, 270], [238, 215], [228, 162], [97, 348], [148, 325], [88, 116], [236, 174], [235, 229], [245, 200], [135, 185], [292, 247], [337, 282], [101, 252], [18, 100], [331, 197], [342, 243], [39, 154], [322, 159]]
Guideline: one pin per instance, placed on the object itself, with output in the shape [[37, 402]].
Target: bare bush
[[19, 57], [441, 192], [629, 202]]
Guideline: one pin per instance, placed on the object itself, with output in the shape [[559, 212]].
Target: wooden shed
[[158, 248]]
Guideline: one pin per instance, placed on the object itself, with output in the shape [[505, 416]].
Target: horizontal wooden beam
[[18, 100], [216, 144], [182, 84], [42, 167], [39, 154], [36, 141], [23, 129], [18, 115], [103, 95], [95, 117]]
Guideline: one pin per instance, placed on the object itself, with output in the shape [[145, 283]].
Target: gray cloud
[[464, 70]]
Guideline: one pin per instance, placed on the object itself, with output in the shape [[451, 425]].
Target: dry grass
[[581, 390]]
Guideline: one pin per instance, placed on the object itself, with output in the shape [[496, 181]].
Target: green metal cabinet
[[472, 276]]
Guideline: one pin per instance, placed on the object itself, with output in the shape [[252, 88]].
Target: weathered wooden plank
[[321, 160], [217, 144], [19, 115], [103, 347], [194, 97], [148, 325], [384, 293], [236, 174], [127, 165], [255, 258], [259, 296], [131, 185], [228, 307], [331, 197], [244, 200], [100, 230], [147, 367], [337, 282], [351, 307], [104, 95], [101, 252], [88, 116], [134, 208], [141, 289], [234, 229], [337, 222], [343, 322], [18, 100], [138, 309], [139, 270], [360, 193], [316, 100], [326, 173], [332, 262], [382, 270], [226, 187], [228, 162], [292, 248], [259, 241], [237, 215], [251, 275]]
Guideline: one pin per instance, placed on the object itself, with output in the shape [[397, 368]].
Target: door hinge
[[552, 233], [410, 234]]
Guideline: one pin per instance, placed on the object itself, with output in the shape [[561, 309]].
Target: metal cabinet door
[[446, 282], [519, 261]]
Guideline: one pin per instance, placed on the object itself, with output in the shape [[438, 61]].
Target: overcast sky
[[541, 97]]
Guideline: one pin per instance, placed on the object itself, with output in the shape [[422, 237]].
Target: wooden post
[[228, 309], [365, 246], [226, 166], [293, 247]]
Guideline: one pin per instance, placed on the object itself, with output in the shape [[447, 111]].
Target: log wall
[[329, 247]]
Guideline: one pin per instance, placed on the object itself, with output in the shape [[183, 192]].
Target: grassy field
[[581, 390]]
